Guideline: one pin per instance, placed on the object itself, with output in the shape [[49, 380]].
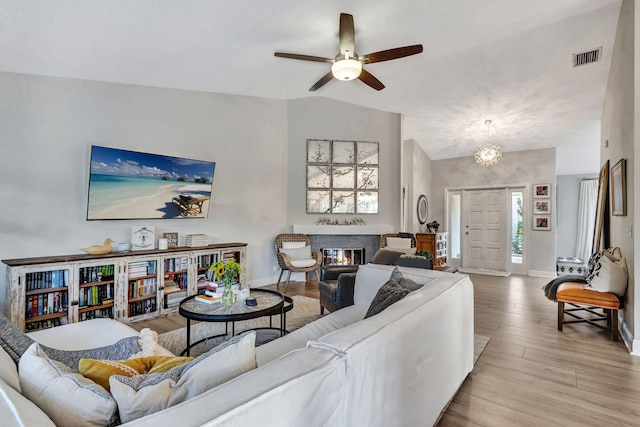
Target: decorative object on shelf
[[172, 239], [423, 209], [488, 154], [346, 221], [342, 177], [228, 271], [124, 247], [433, 227], [105, 248], [163, 244], [619, 188], [143, 238]]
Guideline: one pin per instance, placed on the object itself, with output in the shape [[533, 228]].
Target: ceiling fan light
[[346, 69]]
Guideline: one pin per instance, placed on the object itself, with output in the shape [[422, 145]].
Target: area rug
[[305, 310]]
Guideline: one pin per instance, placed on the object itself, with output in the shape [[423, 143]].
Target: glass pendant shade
[[346, 69]]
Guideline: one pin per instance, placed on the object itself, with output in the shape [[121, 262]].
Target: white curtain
[[586, 217]]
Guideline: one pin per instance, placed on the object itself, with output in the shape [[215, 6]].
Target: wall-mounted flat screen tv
[[127, 184]]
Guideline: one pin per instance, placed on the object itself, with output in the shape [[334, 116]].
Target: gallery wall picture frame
[[542, 191], [542, 222], [542, 207], [619, 188]]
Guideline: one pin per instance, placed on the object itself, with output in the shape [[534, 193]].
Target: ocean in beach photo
[[123, 197]]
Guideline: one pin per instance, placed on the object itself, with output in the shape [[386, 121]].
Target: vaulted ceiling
[[509, 61]]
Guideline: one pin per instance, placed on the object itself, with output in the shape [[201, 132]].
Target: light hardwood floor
[[530, 374]]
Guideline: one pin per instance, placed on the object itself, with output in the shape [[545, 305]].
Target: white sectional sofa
[[399, 367]]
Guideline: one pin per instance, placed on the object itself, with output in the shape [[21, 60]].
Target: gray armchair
[[336, 286]]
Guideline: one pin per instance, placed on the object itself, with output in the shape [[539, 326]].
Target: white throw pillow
[[68, 398], [402, 244], [293, 245], [609, 275], [296, 254], [141, 395], [303, 263], [9, 370]]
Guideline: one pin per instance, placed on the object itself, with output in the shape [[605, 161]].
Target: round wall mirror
[[423, 209]]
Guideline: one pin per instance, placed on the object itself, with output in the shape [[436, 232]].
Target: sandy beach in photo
[[158, 205]]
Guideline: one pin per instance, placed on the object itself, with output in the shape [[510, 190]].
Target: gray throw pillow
[[388, 294], [13, 340], [408, 284], [386, 257]]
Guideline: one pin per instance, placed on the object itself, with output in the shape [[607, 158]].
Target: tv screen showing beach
[[131, 185]]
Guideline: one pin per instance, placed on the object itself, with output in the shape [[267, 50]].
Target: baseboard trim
[[540, 273]]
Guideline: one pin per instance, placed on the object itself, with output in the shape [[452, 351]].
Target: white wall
[[619, 118], [522, 167], [416, 176], [322, 118], [581, 153], [49, 124]]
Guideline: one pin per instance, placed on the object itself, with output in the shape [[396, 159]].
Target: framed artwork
[[172, 239], [541, 207], [619, 188], [601, 229], [542, 222], [542, 191], [143, 238], [342, 177]]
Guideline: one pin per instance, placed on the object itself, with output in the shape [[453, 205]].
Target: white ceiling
[[504, 60]]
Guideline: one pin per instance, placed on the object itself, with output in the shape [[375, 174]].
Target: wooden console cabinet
[[436, 243], [140, 285]]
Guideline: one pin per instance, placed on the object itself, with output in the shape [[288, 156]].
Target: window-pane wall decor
[[342, 177]]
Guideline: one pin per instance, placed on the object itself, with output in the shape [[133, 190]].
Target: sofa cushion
[[18, 411], [9, 370], [141, 395], [68, 398], [310, 332], [99, 371]]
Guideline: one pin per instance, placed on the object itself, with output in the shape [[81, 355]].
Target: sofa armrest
[[346, 287], [332, 272]]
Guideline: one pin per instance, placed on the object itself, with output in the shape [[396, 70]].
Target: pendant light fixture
[[488, 154]]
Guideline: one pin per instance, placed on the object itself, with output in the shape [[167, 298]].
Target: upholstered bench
[[574, 294]]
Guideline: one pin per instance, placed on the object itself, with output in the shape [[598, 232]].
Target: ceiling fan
[[347, 65]]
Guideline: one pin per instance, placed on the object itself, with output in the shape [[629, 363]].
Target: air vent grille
[[584, 58]]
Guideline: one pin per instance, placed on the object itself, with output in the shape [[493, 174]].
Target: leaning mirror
[[423, 209]]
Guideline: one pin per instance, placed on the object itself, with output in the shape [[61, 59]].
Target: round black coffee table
[[269, 303]]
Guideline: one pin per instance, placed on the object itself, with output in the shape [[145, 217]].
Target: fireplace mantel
[[343, 229]]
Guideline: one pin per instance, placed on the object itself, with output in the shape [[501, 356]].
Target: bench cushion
[[576, 293]]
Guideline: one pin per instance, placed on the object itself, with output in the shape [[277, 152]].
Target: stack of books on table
[[209, 299], [196, 240]]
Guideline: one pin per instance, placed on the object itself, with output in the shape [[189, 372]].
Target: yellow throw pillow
[[99, 371]]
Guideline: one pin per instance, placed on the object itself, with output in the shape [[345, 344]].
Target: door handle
[[466, 232]]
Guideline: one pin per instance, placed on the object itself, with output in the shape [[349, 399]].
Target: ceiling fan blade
[[323, 81], [387, 55], [303, 57], [347, 34], [369, 79]]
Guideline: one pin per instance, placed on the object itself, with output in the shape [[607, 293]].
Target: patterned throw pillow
[[99, 371], [609, 275], [396, 288]]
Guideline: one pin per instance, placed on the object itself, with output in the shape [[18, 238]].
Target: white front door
[[484, 231]]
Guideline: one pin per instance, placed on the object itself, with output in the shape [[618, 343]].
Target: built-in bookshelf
[[45, 292]]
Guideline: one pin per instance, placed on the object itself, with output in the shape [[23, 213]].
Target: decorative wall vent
[[584, 58]]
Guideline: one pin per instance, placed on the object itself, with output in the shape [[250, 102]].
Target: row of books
[[103, 313], [142, 307], [46, 324], [172, 299], [204, 261], [49, 303], [142, 287], [176, 264], [96, 295], [97, 274], [139, 269], [196, 240], [47, 279], [177, 280]]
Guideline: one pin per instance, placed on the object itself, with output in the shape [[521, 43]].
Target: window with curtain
[[586, 217]]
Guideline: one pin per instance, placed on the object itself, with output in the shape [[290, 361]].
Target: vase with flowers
[[226, 270]]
